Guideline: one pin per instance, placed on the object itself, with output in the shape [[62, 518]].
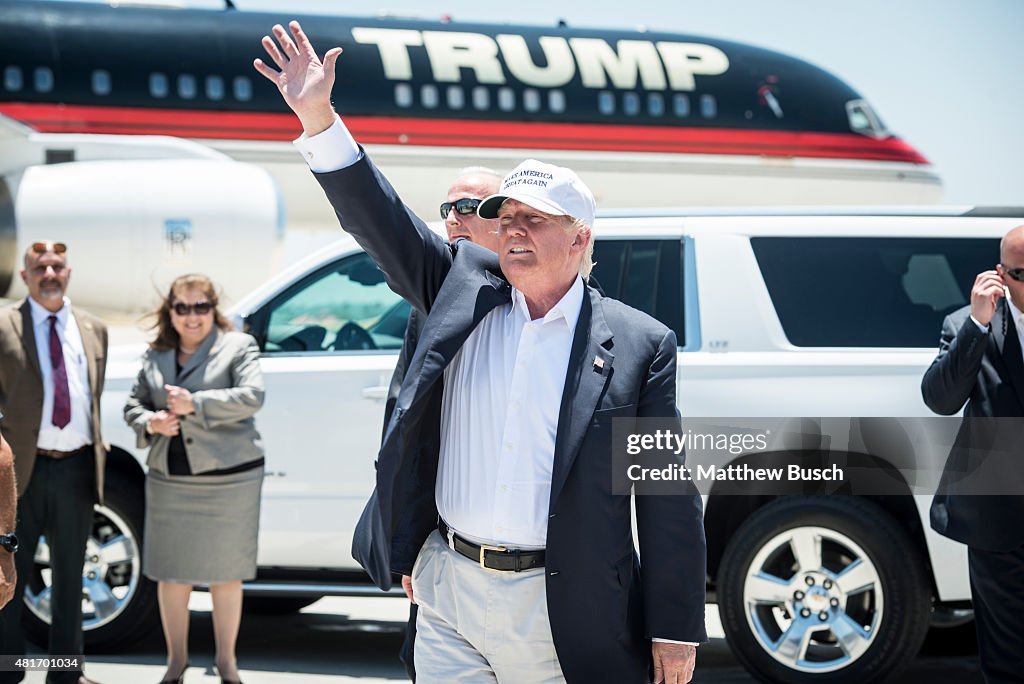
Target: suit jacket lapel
[[167, 365], [89, 345], [202, 353], [585, 381], [468, 295], [24, 328]]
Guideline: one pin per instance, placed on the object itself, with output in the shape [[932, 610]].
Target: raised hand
[[304, 81], [988, 288]]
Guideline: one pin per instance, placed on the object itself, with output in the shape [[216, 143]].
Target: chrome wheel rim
[[813, 599], [111, 572]]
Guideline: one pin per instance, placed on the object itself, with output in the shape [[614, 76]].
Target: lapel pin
[[598, 363]]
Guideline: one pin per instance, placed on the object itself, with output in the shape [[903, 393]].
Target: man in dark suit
[[52, 363], [494, 480], [978, 503]]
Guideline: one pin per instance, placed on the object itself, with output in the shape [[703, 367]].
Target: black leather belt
[[52, 453], [493, 557]]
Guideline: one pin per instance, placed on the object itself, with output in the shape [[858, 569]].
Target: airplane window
[[531, 100], [681, 106], [631, 104], [556, 101], [481, 98], [655, 104], [214, 88], [44, 79], [863, 119], [428, 96], [242, 87], [506, 99], [708, 106], [606, 102], [158, 86], [403, 95], [456, 99], [186, 86], [12, 78], [101, 82]]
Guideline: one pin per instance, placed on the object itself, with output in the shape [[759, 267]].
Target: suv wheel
[[816, 589], [118, 602]]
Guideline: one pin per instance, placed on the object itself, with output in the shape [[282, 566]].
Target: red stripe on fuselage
[[55, 118]]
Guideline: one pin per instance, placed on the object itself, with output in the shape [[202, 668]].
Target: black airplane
[[646, 118]]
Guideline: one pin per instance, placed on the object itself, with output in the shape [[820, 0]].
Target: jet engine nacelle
[[133, 226]]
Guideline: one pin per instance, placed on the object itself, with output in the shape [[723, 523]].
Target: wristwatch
[[9, 542]]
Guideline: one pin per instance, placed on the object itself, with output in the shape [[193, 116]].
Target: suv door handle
[[378, 393]]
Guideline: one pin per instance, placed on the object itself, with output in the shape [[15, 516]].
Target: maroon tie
[[61, 395]]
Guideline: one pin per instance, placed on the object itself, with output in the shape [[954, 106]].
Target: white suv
[[778, 313]]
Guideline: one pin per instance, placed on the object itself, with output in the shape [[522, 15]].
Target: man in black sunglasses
[[980, 364], [459, 209]]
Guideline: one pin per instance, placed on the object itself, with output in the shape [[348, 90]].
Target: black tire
[[136, 613], [277, 605], [893, 603]]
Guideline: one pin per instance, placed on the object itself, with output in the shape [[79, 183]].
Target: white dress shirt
[[502, 396], [78, 432], [499, 417]]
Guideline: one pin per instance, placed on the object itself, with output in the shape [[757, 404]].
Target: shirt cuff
[[982, 328], [330, 150], [673, 641]]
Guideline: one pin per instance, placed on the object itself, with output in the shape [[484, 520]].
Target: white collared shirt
[[499, 417], [78, 432]]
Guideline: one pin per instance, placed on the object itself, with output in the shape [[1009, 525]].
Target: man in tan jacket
[[52, 363]]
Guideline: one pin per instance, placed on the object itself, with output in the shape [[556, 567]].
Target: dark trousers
[[408, 646], [997, 588], [57, 504]]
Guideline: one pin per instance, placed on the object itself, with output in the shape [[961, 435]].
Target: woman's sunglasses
[[199, 308]]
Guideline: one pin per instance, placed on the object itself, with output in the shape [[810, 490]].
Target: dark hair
[[166, 336]]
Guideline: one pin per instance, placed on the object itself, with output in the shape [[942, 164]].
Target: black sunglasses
[[1015, 273], [466, 205], [199, 308]]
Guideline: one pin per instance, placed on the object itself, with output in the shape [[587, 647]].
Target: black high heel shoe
[[225, 681], [181, 677]]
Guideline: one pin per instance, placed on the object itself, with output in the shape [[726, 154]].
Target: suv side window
[[345, 306], [870, 292], [647, 275]]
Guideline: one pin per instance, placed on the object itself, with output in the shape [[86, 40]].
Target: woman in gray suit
[[193, 405]]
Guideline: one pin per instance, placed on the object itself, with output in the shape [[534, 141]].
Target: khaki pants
[[478, 625]]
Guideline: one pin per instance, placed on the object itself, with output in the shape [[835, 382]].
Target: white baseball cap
[[552, 189]]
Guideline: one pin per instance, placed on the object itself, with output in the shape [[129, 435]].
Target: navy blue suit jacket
[[603, 604]]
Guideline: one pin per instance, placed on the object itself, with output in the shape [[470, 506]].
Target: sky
[[945, 75]]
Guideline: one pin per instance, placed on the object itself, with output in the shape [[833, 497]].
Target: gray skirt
[[202, 529]]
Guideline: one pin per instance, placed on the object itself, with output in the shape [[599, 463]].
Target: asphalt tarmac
[[357, 640]]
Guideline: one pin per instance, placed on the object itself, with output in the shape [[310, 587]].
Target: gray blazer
[[227, 389]]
